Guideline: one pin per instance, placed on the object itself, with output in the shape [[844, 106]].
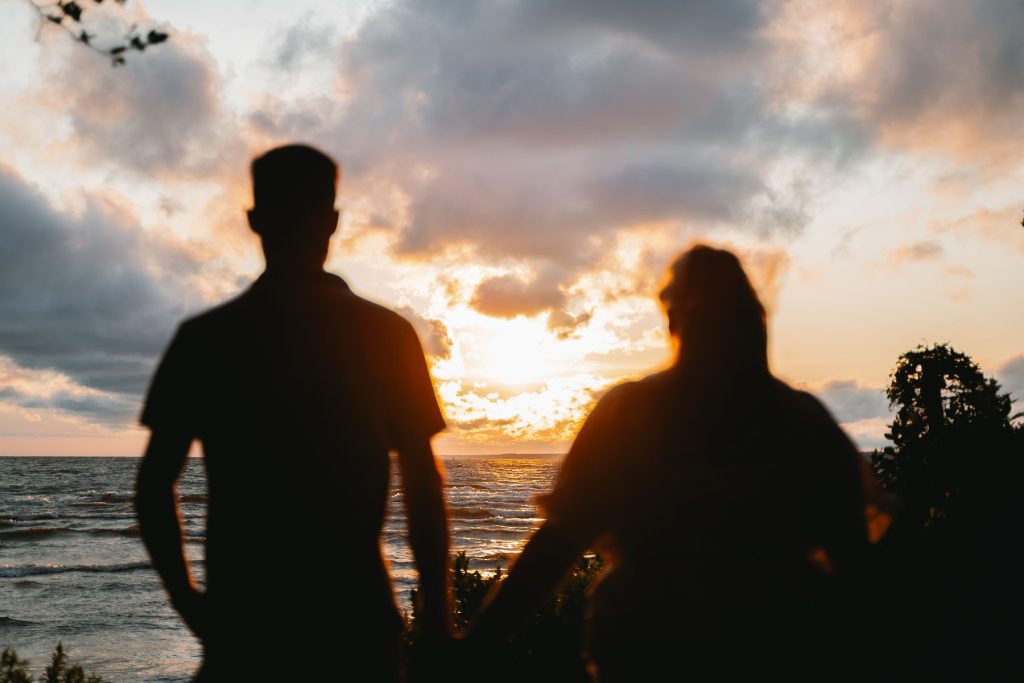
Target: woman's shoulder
[[631, 394], [804, 402]]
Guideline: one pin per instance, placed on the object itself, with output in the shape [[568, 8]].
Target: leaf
[[137, 43], [117, 50], [55, 18], [117, 60], [155, 37], [72, 9]]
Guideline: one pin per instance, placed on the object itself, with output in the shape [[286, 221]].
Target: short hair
[[294, 177]]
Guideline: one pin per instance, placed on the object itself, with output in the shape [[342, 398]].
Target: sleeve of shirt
[[413, 411], [592, 482], [171, 402]]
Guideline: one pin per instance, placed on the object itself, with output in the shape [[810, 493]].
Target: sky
[[517, 176]]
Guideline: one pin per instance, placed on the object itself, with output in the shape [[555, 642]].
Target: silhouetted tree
[[951, 427], [12, 668], [68, 15], [946, 573]]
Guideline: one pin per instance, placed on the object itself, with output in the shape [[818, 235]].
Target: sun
[[515, 353]]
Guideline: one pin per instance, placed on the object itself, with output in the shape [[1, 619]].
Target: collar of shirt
[[278, 280]]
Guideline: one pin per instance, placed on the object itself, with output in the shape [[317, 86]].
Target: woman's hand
[[194, 609]]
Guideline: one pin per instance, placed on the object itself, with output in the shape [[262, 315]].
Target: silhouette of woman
[[727, 506]]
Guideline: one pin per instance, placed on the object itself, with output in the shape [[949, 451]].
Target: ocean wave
[[116, 497], [17, 572], [11, 621], [45, 532], [470, 513], [19, 519], [32, 532]]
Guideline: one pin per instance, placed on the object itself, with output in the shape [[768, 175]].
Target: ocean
[[73, 568]]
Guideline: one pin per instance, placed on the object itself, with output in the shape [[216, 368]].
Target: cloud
[[881, 63], [852, 402], [303, 42], [49, 390], [433, 333], [863, 412], [161, 113], [565, 325], [90, 297], [507, 296], [570, 123], [1011, 376], [914, 252], [1000, 226]]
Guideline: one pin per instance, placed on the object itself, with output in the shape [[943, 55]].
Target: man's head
[[293, 210]]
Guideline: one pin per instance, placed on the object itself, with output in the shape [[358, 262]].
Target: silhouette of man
[[297, 390]]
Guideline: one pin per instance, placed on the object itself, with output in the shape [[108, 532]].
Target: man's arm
[[157, 507], [428, 534]]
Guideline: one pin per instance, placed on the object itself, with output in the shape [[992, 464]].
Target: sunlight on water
[[73, 568]]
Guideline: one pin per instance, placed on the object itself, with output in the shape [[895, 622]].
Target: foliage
[[951, 432], [943, 579], [15, 670], [12, 669], [549, 646], [68, 15]]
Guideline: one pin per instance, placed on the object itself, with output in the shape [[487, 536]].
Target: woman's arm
[[544, 562]]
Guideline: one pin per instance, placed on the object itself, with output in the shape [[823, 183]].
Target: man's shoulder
[[213, 316], [332, 295]]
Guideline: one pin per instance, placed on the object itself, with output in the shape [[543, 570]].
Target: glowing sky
[[517, 175]]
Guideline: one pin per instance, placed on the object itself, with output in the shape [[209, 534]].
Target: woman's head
[[714, 312]]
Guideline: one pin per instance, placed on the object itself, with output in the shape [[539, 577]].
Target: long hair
[[715, 314]]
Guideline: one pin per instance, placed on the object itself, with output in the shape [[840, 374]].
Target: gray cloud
[[89, 296], [659, 191], [851, 402], [966, 94], [304, 41], [569, 122], [433, 333], [159, 113], [1011, 376], [978, 70], [924, 250], [110, 409]]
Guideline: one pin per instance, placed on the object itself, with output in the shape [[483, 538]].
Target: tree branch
[[56, 13]]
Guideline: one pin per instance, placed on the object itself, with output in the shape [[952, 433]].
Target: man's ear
[[253, 220], [334, 218]]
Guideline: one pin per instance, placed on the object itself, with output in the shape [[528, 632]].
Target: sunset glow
[[515, 183]]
